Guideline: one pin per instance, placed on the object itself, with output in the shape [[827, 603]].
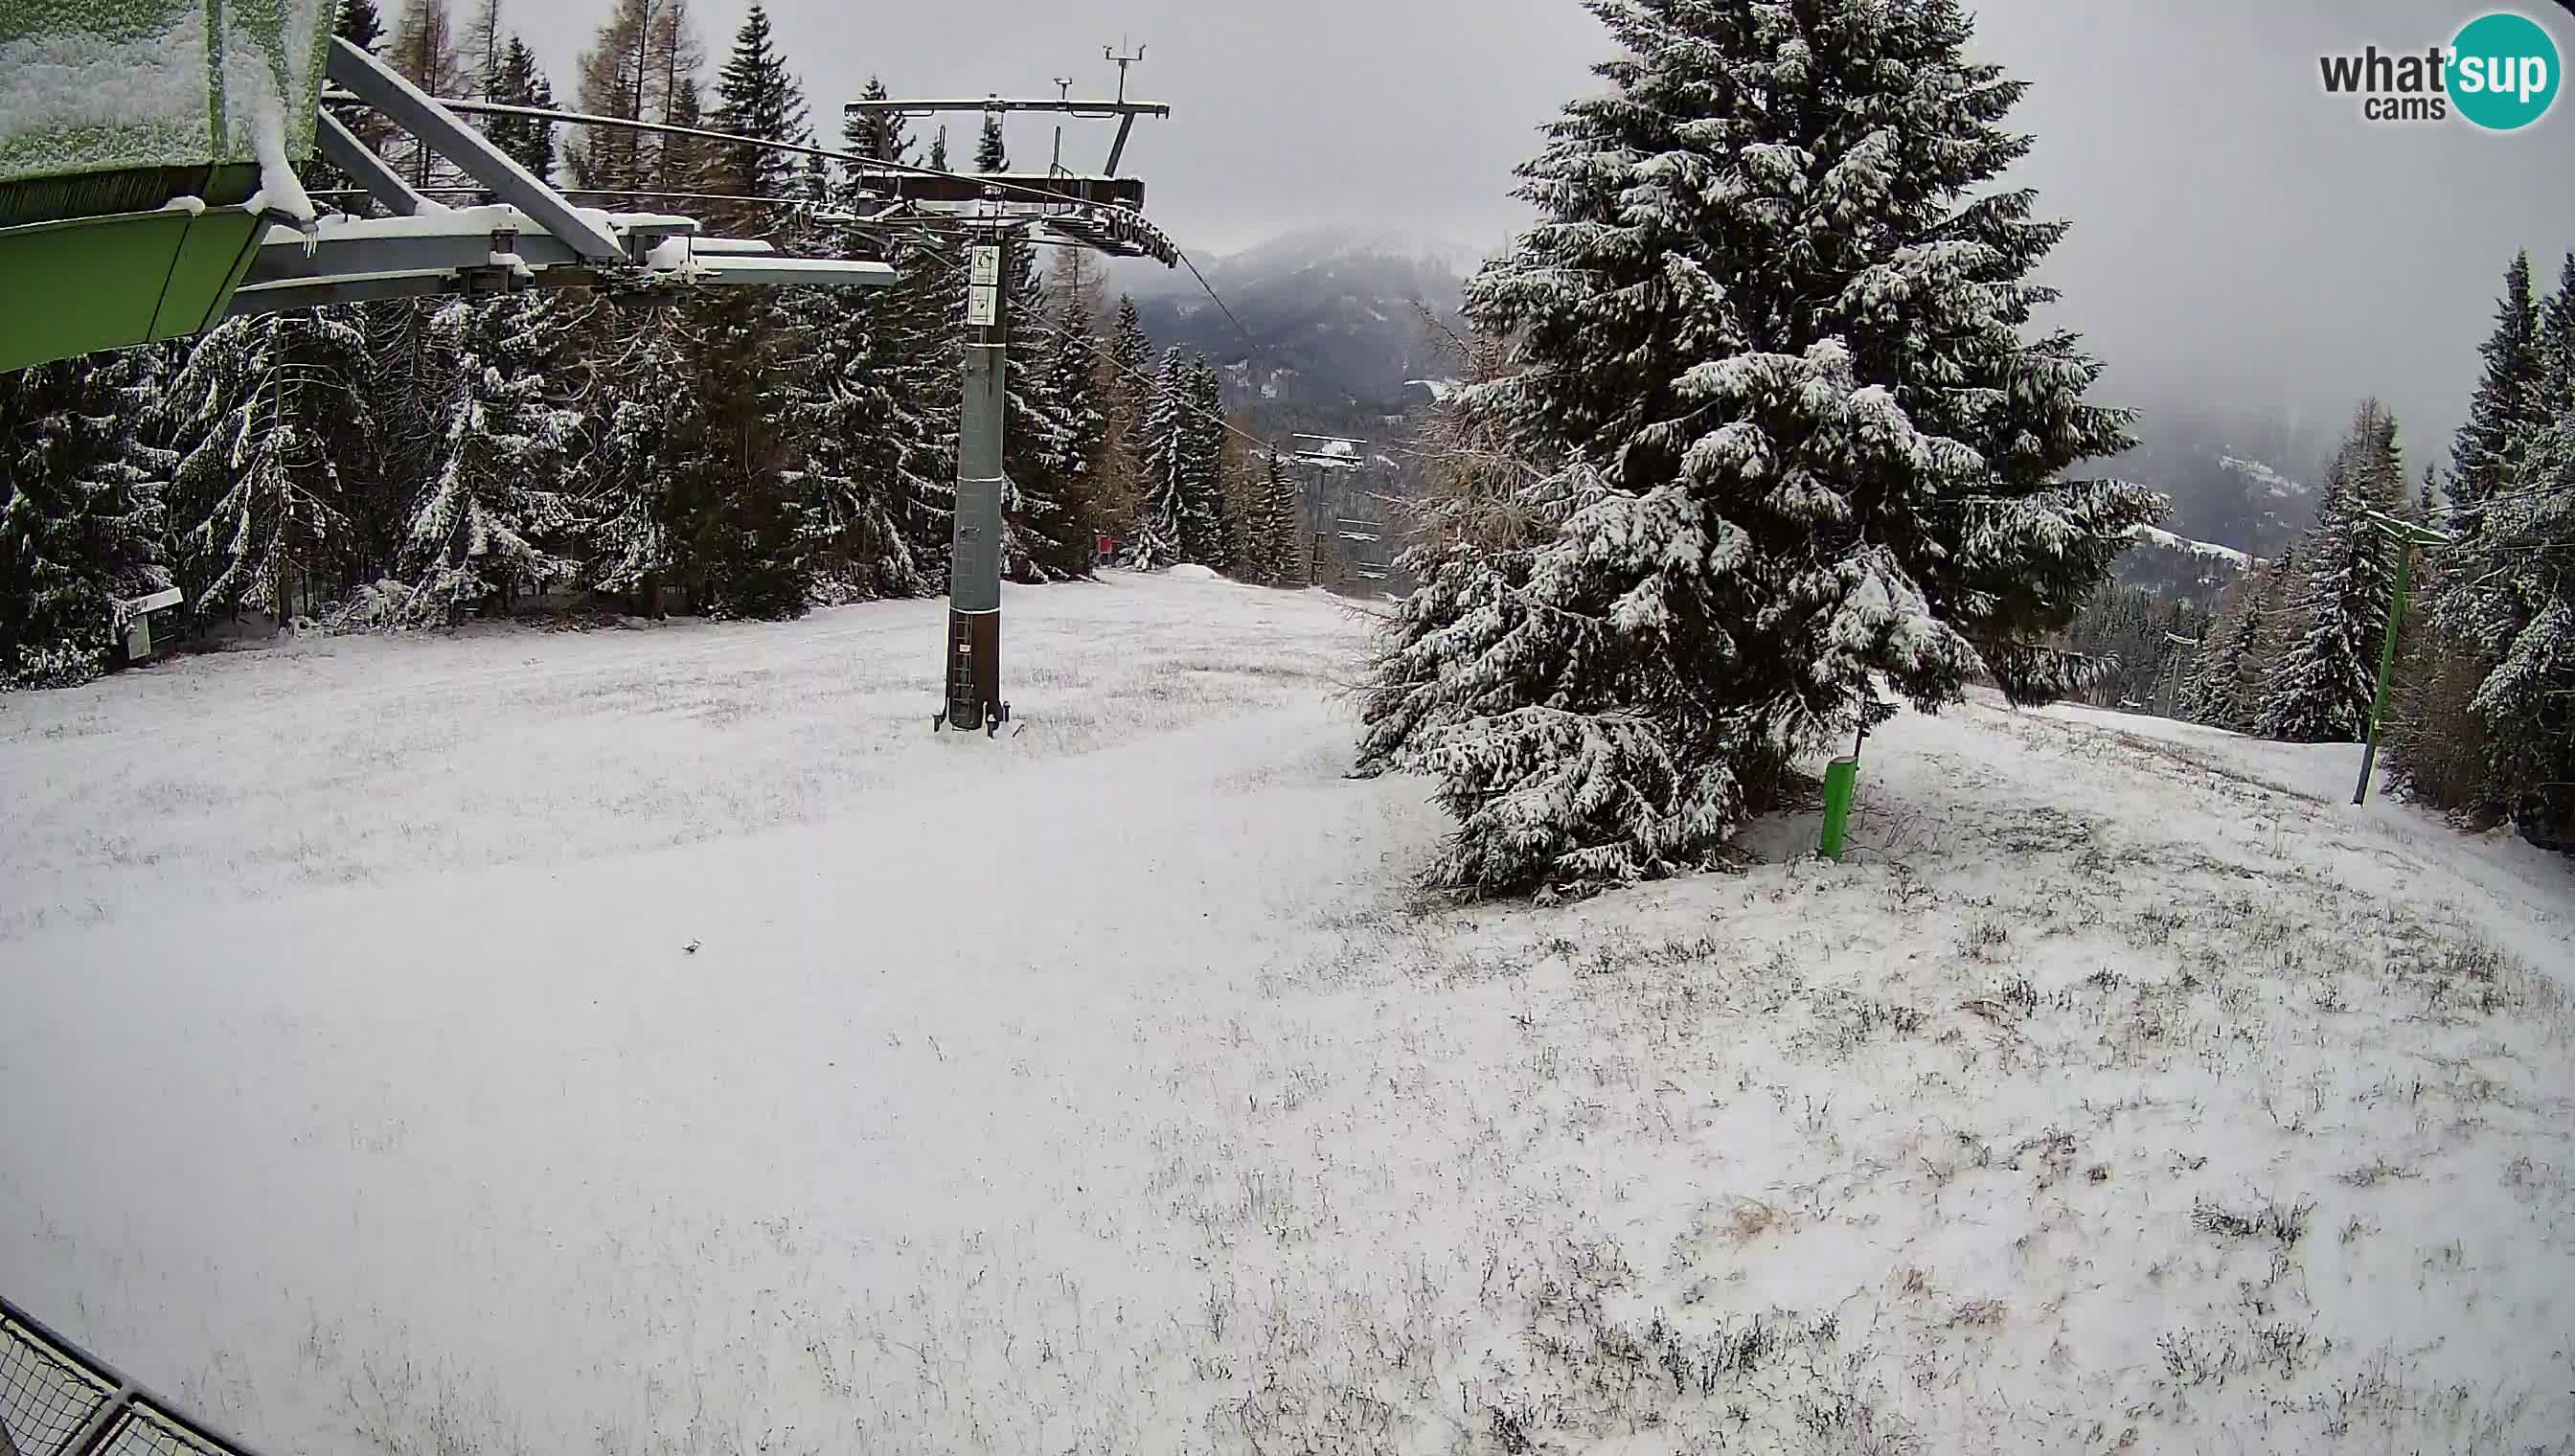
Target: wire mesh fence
[[46, 1396], [57, 1399]]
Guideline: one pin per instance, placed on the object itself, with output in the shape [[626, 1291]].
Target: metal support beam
[[453, 237], [276, 298], [372, 82], [346, 152], [730, 248], [713, 268], [732, 269], [368, 246]]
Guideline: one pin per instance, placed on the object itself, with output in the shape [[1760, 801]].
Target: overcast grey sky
[[2237, 230]]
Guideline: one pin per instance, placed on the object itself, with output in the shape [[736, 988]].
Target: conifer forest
[[418, 463]]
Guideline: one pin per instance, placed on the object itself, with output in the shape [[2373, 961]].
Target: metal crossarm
[[1123, 110], [376, 84], [360, 161], [439, 242]]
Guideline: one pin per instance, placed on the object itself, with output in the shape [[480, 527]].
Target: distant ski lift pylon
[[1330, 452], [130, 214]]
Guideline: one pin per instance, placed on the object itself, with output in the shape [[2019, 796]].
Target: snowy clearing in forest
[[657, 1041], [2156, 536]]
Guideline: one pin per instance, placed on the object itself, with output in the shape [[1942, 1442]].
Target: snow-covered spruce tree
[[2321, 689], [1068, 543], [398, 385], [1253, 533], [921, 316], [844, 414], [2432, 742], [256, 494], [883, 136], [1043, 511], [989, 153], [2511, 595], [2214, 693], [518, 80], [1471, 476], [492, 511], [2505, 410], [1295, 546], [2275, 625], [757, 96], [1125, 387], [1275, 526], [642, 374], [81, 521], [684, 164], [2556, 344], [1205, 529], [2133, 629], [738, 518], [1161, 520], [1772, 357]]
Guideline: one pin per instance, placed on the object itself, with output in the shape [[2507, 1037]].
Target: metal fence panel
[[57, 1399], [46, 1397]]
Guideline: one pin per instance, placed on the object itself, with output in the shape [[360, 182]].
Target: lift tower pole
[[975, 559], [1102, 213]]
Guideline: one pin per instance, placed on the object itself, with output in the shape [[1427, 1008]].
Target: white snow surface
[[59, 81], [2261, 475], [62, 85], [1193, 571], [659, 1039], [280, 190], [2170, 541]]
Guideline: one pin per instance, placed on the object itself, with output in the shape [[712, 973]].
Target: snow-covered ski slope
[[657, 1041]]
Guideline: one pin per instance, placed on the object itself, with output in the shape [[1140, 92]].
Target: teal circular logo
[[2503, 71]]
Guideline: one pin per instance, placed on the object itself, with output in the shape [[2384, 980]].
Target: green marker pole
[[1841, 780], [2386, 666], [1842, 785]]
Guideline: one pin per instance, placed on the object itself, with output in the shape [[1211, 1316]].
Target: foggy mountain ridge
[[2179, 566], [2237, 474], [1332, 317], [1338, 345]]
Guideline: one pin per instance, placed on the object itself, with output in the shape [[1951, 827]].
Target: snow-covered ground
[[657, 1041], [2159, 537]]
